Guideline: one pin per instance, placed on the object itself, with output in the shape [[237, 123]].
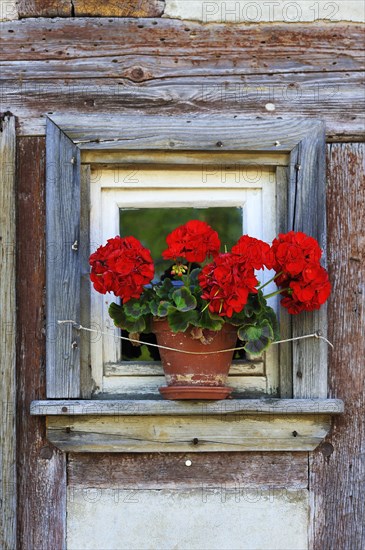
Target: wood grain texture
[[90, 8], [63, 263], [83, 65], [338, 468], [118, 8], [200, 433], [307, 213], [44, 8], [231, 408], [7, 335], [168, 470], [40, 467], [195, 133]]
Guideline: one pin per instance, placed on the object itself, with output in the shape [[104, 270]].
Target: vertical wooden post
[[63, 263], [41, 468], [7, 335], [338, 467]]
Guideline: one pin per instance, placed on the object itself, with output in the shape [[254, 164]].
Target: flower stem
[[275, 293], [270, 281]]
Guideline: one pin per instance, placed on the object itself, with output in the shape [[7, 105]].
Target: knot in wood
[[137, 74]]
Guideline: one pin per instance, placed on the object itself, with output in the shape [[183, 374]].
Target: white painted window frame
[[253, 188]]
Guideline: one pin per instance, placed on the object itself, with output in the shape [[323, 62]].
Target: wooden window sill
[[177, 426]]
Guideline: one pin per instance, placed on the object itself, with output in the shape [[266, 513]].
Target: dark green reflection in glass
[[152, 225]]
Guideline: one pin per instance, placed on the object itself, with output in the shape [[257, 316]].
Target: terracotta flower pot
[[191, 376]]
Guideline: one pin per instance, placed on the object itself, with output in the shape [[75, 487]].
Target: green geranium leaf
[[184, 300], [163, 308], [135, 309], [116, 312], [194, 276], [153, 306], [237, 319], [209, 321], [253, 306], [270, 315], [121, 320], [258, 337], [180, 320], [163, 290]]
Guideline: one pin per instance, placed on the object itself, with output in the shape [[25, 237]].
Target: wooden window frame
[[302, 188], [247, 186]]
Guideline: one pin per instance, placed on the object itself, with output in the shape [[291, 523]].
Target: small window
[[233, 199], [106, 177]]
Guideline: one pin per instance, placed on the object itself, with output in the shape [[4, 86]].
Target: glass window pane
[[152, 225]]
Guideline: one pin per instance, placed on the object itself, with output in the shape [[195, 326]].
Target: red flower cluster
[[256, 253], [194, 241], [122, 266], [226, 283], [295, 257]]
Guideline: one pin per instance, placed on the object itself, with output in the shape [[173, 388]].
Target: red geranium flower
[[309, 291], [194, 241], [256, 253], [292, 251], [122, 266], [226, 284]]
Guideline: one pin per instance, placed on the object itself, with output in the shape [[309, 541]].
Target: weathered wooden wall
[[155, 65], [159, 65]]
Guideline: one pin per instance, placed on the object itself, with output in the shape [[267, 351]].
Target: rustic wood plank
[[160, 407], [307, 213], [285, 349], [131, 368], [229, 48], [113, 159], [311, 70], [187, 433], [7, 334], [41, 468], [63, 263], [44, 8], [227, 132], [338, 523], [338, 106], [86, 382], [168, 471], [125, 8]]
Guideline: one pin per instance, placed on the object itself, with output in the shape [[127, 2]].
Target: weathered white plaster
[[208, 518], [8, 10], [258, 11]]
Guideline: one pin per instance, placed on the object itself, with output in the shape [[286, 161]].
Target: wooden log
[[7, 335], [169, 471], [41, 468], [338, 467], [123, 8], [88, 8], [44, 8]]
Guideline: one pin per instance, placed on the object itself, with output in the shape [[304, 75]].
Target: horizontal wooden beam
[[177, 160], [159, 65], [82, 8], [227, 132], [181, 433], [231, 407], [169, 470]]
